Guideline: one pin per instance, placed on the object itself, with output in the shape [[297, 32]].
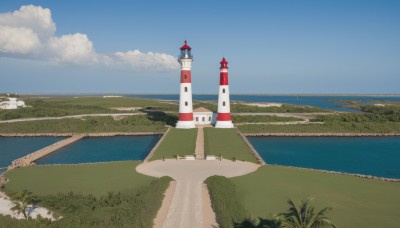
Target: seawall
[[255, 153], [108, 134], [29, 159]]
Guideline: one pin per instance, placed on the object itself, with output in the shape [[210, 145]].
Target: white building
[[203, 116], [12, 103]]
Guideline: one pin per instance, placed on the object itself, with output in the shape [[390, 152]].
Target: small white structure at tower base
[[203, 116]]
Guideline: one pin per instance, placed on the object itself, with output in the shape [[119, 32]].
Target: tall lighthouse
[[185, 119], [224, 110]]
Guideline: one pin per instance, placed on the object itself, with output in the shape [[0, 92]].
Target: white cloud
[[30, 33], [150, 60], [18, 40], [76, 48]]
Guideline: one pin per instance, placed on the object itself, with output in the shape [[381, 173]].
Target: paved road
[[186, 209], [73, 116]]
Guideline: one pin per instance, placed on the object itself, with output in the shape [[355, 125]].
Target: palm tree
[[304, 216], [22, 201]]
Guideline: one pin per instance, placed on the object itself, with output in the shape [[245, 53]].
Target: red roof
[[224, 63], [185, 46]]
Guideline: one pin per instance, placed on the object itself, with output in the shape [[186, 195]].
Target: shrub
[[224, 200]]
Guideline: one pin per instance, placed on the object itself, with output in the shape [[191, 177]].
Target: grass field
[[50, 107], [340, 127], [357, 202], [177, 142], [97, 179], [262, 119], [142, 123], [228, 143]]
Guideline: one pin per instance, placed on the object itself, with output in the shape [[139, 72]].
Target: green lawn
[[357, 202], [62, 106], [262, 119], [228, 143], [177, 142], [339, 127], [142, 123], [97, 179]]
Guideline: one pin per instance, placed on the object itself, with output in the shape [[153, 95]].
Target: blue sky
[[272, 46]]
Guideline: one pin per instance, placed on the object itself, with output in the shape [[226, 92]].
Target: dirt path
[[200, 143], [163, 212], [209, 219], [188, 207]]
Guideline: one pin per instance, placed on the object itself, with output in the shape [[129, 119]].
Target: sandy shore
[[6, 205]]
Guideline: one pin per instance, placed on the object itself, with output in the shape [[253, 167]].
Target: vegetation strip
[[342, 173], [97, 179], [356, 202], [228, 144], [177, 142], [156, 146], [101, 134]]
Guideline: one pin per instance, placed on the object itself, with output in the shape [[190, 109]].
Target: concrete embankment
[[109, 134], [30, 158], [156, 146], [324, 134], [255, 153]]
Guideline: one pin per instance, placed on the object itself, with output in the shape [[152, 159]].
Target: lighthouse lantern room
[[185, 119]]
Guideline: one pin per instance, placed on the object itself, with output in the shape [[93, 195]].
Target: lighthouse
[[185, 119], [224, 110]]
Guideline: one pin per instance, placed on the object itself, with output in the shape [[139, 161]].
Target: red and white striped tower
[[224, 110], [185, 98]]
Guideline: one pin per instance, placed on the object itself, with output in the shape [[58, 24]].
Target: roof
[[224, 63], [186, 47], [201, 109]]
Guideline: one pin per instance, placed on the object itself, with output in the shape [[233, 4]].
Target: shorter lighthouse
[[224, 110]]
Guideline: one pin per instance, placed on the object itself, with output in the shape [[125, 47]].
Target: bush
[[131, 208], [224, 200]]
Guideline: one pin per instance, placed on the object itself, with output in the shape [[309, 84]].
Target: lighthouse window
[[186, 103], [185, 76], [223, 103], [223, 90], [186, 89]]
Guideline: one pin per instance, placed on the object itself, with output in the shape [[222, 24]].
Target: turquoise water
[[102, 149], [12, 148], [376, 156]]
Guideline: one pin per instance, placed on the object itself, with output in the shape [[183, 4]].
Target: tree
[[22, 202], [304, 216]]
